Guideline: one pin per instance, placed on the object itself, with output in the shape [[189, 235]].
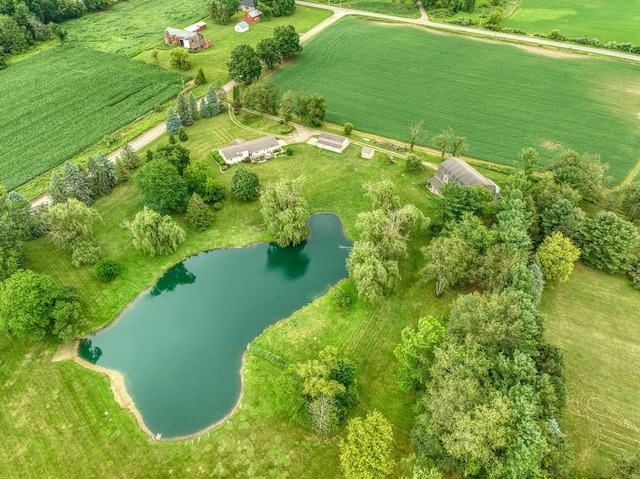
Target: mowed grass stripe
[[381, 78], [57, 103], [607, 20]]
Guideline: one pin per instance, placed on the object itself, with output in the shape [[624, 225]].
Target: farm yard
[[60, 101], [606, 20], [500, 97]]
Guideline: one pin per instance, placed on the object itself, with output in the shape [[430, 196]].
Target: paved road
[[476, 31]]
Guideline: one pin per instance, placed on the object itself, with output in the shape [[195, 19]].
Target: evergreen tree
[[182, 108], [77, 183], [205, 109], [58, 189], [199, 217], [200, 78], [102, 173], [212, 100], [193, 107], [173, 122], [130, 160], [121, 171]]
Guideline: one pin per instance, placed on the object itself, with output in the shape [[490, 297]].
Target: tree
[[245, 185], [415, 352], [154, 233], [199, 217], [556, 255], [183, 110], [58, 191], [107, 269], [584, 173], [193, 107], [244, 65], [413, 164], [161, 186], [70, 226], [347, 128], [373, 276], [15, 39], [221, 11], [173, 122], [527, 279], [66, 314], [102, 174], [496, 17], [528, 160], [27, 300], [60, 33], [77, 184], [562, 216], [180, 58], [262, 96], [382, 195], [316, 110], [546, 192], [285, 211], [472, 231], [17, 224], [629, 201], [268, 50], [513, 223], [366, 453], [280, 7], [456, 200], [494, 268], [415, 129], [177, 155], [609, 243], [200, 79], [213, 98], [130, 160], [442, 141], [449, 262], [287, 39]]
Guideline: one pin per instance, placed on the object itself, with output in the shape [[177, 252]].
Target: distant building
[[367, 152], [239, 150], [196, 27], [253, 16], [248, 5], [185, 39], [455, 169], [331, 142], [241, 27]]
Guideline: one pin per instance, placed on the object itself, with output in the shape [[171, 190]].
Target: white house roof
[[241, 26], [196, 27], [330, 139], [251, 146], [176, 32], [367, 151]]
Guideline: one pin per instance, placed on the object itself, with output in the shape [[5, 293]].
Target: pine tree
[[122, 171], [77, 183], [193, 107], [183, 111], [58, 189], [205, 108], [199, 217], [130, 160], [200, 78], [212, 100], [108, 177], [173, 122]]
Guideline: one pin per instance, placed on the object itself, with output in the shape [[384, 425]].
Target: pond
[[179, 345]]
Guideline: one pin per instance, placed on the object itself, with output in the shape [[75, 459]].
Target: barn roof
[[331, 139], [463, 173], [176, 32], [254, 13]]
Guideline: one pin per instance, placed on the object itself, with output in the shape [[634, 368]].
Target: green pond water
[[179, 346]]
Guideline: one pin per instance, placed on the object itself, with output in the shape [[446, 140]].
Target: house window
[[445, 178]]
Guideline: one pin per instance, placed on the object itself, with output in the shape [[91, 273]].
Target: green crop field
[[402, 8], [60, 101], [606, 20], [595, 319], [501, 97]]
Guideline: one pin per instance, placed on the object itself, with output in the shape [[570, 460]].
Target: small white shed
[[241, 27]]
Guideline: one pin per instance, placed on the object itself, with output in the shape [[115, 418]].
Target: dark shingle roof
[[331, 140]]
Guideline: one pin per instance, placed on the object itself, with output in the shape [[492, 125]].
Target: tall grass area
[[383, 77], [60, 101], [595, 319], [606, 20]]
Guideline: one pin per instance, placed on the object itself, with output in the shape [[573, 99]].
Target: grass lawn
[[60, 101], [606, 20], [55, 423], [401, 8], [595, 319], [500, 97]]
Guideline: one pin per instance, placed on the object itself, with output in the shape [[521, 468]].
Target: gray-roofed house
[[331, 142], [185, 39], [367, 152], [260, 148], [248, 5], [455, 169]]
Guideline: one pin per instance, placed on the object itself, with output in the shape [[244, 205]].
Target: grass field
[[401, 8], [57, 103], [595, 320], [500, 97], [606, 20]]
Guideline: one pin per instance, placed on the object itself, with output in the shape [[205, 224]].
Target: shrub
[[556, 35], [344, 295], [107, 269], [413, 164], [199, 218], [200, 78], [288, 151], [216, 156], [217, 206], [634, 274], [245, 185], [182, 135], [348, 128], [180, 58]]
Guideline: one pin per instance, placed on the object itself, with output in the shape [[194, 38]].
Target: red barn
[[253, 16]]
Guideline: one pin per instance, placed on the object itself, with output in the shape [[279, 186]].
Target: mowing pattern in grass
[[595, 320], [606, 20], [57, 103], [381, 78], [130, 27]]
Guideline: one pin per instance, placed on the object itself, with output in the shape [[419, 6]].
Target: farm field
[[401, 8], [498, 96], [595, 319], [606, 20], [60, 101]]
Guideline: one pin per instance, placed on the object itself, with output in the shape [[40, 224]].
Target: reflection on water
[[292, 261], [90, 352], [175, 276]]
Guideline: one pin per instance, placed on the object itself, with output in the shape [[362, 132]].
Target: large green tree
[[177, 155], [583, 172], [366, 452], [449, 261], [268, 51], [556, 256], [17, 224], [564, 217], [287, 39], [262, 96], [629, 202], [161, 186], [244, 65], [102, 174], [284, 210], [77, 183], [373, 276], [316, 110], [245, 184], [154, 233], [221, 11], [198, 217]]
